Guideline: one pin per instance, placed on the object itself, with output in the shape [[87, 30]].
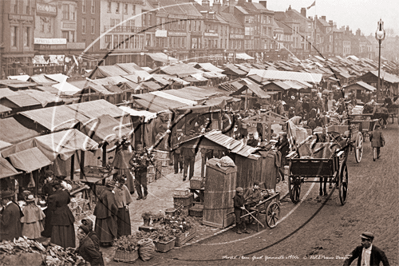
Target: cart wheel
[[359, 147], [272, 214], [294, 188], [343, 185]]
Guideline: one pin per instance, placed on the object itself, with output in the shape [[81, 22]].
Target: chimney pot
[[263, 3], [324, 17], [303, 11]]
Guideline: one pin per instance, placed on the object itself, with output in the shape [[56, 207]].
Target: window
[[109, 7], [93, 26], [73, 13], [65, 12], [125, 9], [13, 6], [115, 41], [126, 41], [83, 6], [118, 5], [65, 35], [14, 36], [134, 10], [108, 39], [27, 37], [93, 6], [26, 7], [83, 26]]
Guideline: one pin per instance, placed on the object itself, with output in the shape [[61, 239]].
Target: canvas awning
[[106, 129], [6, 169], [163, 58], [253, 88], [13, 132], [4, 144], [166, 95], [148, 115], [94, 109], [243, 56], [64, 143], [154, 103], [29, 160], [287, 75]]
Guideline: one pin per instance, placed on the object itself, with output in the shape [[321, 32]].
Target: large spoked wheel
[[272, 214], [294, 188], [359, 147], [343, 185]]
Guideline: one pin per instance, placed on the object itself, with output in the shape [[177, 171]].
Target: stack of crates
[[183, 197]]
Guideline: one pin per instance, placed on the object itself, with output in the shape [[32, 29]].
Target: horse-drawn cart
[[327, 162]]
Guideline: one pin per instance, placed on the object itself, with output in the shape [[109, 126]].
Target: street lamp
[[380, 36]]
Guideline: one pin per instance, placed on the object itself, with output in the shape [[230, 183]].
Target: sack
[[146, 249]]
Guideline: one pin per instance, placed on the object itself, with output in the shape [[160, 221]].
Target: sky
[[357, 14]]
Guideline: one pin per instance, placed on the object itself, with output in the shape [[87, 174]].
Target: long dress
[[123, 199], [32, 221], [105, 212], [63, 231], [121, 163]]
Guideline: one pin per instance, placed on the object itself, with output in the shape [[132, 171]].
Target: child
[[238, 209], [32, 225], [377, 139]]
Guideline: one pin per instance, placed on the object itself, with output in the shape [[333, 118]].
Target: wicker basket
[[126, 256], [165, 246]]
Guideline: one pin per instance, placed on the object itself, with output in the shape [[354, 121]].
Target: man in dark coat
[[140, 162], [105, 212], [87, 248], [189, 160], [10, 217], [366, 253], [93, 236], [377, 139], [62, 220], [239, 207], [252, 141]]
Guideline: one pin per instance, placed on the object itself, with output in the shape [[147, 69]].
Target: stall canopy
[[13, 132], [29, 160], [166, 95], [363, 85], [6, 169], [129, 67], [20, 101], [154, 103], [181, 70], [4, 109], [106, 129], [4, 92], [56, 118], [163, 58], [44, 98], [107, 71], [94, 109], [65, 88], [64, 143], [20, 77], [42, 79], [209, 67], [148, 115], [286, 75], [243, 56], [194, 93], [253, 88]]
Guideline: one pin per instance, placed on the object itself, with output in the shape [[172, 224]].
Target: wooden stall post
[[104, 162], [82, 164], [72, 165]]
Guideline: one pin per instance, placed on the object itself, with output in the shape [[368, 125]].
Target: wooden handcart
[[303, 170], [365, 122], [269, 207]]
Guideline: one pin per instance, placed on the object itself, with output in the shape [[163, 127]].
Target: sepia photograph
[[199, 132]]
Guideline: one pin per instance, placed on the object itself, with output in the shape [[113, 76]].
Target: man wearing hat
[[377, 139], [87, 248], [367, 254], [253, 196], [251, 140], [140, 162], [10, 219]]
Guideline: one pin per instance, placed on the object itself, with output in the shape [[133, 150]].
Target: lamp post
[[380, 36]]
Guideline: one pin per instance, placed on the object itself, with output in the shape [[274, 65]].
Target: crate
[[165, 246], [186, 201], [196, 210], [184, 237], [181, 192], [126, 256], [196, 182]]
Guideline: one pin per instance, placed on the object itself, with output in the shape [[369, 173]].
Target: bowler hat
[[239, 189], [30, 198], [367, 235], [6, 194]]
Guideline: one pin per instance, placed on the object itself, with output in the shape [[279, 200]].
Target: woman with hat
[[32, 221], [123, 199], [105, 212], [62, 220], [10, 220]]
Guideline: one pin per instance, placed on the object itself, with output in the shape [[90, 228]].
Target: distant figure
[[189, 160], [140, 162], [252, 141], [123, 199], [377, 139], [367, 253], [239, 208]]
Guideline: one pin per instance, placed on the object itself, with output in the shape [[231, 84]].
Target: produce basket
[[181, 192], [186, 201], [126, 255], [196, 210], [196, 182], [164, 246], [184, 237]]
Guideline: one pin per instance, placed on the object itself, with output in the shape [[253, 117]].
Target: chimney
[[303, 11], [331, 23], [324, 18], [216, 6], [249, 1], [358, 32], [205, 3], [241, 2], [232, 4], [263, 3]]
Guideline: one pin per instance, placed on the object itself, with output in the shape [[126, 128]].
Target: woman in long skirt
[[122, 199]]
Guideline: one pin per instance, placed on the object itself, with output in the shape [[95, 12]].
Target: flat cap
[[367, 235], [239, 189], [6, 194]]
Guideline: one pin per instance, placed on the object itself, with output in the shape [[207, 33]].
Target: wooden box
[[196, 210], [186, 201], [184, 237], [196, 182], [220, 184], [165, 246]]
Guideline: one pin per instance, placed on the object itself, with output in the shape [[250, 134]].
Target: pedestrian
[[367, 254], [239, 202], [87, 248], [283, 146], [123, 155], [140, 162], [188, 162], [253, 196], [122, 199], [10, 218], [251, 140], [93, 236], [377, 139], [177, 156], [105, 212], [32, 221], [47, 191], [62, 220]]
